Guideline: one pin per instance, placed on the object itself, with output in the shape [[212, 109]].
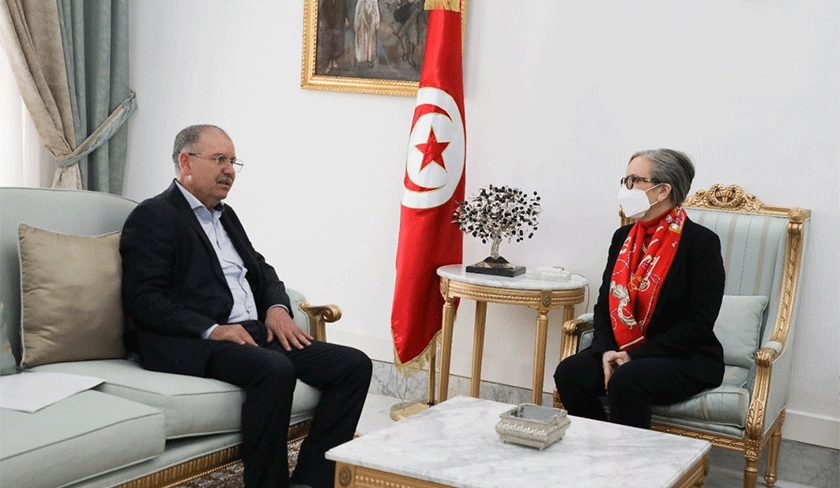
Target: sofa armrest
[[319, 315], [312, 318]]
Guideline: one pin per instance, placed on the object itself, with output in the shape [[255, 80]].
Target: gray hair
[[672, 167], [186, 140]]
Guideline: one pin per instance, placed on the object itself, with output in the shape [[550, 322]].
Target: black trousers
[[634, 387], [267, 374]]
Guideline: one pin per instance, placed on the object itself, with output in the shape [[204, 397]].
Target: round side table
[[528, 289]]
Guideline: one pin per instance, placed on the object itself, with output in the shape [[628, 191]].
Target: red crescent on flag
[[411, 186], [424, 109]]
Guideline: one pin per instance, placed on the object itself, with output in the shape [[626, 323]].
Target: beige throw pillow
[[71, 294]]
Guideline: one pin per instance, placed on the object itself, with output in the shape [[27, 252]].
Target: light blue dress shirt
[[244, 306]]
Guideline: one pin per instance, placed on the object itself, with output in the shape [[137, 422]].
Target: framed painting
[[365, 46]]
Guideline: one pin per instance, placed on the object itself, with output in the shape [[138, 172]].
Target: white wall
[[558, 95]]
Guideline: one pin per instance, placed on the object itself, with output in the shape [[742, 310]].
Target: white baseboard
[[810, 428]]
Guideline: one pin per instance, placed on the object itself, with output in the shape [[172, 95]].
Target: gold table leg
[[478, 347], [446, 347], [430, 390], [539, 357]]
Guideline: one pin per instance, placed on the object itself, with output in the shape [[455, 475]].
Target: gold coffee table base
[[350, 476]]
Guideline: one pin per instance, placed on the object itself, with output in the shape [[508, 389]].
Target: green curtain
[[94, 36]]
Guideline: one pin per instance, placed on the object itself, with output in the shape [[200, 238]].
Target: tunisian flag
[[434, 183]]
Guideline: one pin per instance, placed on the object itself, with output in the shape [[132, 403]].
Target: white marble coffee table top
[[531, 280], [455, 443]]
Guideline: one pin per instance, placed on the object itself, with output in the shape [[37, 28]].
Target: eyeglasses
[[222, 160], [630, 181]]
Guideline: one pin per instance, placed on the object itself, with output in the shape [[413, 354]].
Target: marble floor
[[800, 465]]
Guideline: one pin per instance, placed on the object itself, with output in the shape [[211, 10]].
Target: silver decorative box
[[533, 425]]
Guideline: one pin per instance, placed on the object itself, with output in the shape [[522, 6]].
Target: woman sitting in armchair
[[659, 298]]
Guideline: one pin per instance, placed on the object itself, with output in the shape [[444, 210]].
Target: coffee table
[[454, 444]]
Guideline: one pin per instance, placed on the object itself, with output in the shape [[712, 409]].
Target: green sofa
[[137, 428]]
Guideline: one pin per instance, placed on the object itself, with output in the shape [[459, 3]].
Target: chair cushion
[[71, 296], [738, 328], [192, 406], [84, 435], [727, 404]]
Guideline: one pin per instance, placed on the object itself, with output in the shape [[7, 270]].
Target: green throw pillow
[[738, 327]]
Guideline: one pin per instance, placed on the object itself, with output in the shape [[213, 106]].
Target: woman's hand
[[611, 360]]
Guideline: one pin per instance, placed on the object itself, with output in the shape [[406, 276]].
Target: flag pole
[[402, 410]]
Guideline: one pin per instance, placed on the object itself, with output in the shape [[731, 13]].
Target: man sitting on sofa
[[205, 303]]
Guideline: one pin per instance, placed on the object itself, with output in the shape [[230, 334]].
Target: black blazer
[[173, 286], [685, 313]]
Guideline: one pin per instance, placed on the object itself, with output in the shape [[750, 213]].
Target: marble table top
[[531, 280], [455, 443]]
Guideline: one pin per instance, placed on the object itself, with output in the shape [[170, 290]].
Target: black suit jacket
[[685, 313], [173, 286]]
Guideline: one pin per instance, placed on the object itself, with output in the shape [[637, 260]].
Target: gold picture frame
[[390, 65]]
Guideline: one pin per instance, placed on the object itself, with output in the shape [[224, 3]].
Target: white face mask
[[634, 202]]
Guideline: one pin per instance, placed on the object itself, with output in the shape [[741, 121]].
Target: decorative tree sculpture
[[496, 213]]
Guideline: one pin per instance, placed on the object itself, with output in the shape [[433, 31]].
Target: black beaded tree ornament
[[496, 213]]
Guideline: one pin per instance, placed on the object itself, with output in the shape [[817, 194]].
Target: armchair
[[762, 252]]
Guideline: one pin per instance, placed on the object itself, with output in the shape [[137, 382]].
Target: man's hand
[[280, 325], [612, 360], [232, 333]]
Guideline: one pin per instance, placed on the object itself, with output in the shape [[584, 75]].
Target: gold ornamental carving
[[535, 298], [798, 215], [545, 299], [345, 476], [362, 477], [721, 197], [444, 287]]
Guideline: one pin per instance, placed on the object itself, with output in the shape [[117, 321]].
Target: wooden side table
[[540, 294]]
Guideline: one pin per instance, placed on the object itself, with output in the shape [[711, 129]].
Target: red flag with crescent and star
[[434, 184]]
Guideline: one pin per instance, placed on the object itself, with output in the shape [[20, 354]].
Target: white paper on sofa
[[32, 391]]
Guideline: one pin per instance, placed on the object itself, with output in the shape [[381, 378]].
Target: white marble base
[[388, 381], [455, 444]]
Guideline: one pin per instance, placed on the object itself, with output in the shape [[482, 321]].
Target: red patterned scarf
[[638, 274]]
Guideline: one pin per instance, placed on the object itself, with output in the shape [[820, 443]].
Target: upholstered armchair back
[[753, 249], [762, 248]]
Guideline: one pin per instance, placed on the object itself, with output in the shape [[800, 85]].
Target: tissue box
[[553, 273]]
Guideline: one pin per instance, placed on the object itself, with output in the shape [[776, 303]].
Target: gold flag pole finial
[[453, 5]]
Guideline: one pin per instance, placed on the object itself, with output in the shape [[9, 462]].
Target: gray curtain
[[70, 59], [95, 41]]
